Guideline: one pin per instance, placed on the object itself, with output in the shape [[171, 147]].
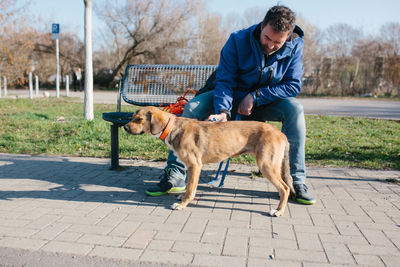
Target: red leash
[[179, 105]]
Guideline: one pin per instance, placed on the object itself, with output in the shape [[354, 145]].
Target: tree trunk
[[88, 99]]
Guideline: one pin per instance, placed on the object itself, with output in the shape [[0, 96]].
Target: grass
[[56, 127]]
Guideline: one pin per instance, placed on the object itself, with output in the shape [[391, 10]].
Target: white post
[[30, 86], [37, 85], [88, 94], [67, 84], [5, 85], [58, 71]]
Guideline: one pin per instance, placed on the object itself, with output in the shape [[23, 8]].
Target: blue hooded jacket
[[243, 66]]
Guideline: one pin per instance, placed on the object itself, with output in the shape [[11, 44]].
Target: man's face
[[271, 41]]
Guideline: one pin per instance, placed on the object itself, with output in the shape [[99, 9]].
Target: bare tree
[[71, 54], [209, 39], [17, 39], [340, 39], [390, 34], [152, 30]]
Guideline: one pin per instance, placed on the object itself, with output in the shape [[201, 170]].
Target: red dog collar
[[167, 128]]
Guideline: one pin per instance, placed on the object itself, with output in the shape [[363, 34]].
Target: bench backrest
[[161, 85]]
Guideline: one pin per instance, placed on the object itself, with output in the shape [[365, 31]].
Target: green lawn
[[56, 127]]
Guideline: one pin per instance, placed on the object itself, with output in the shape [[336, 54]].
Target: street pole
[[67, 85], [88, 94], [55, 35], [5, 85], [30, 86], [58, 70], [36, 85]]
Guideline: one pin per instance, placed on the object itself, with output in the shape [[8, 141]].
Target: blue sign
[[55, 28]]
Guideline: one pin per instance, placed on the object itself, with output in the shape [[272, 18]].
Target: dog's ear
[[158, 121]]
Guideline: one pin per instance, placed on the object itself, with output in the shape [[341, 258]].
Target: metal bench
[[153, 85]]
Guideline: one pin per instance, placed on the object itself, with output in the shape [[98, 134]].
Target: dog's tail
[[287, 178]]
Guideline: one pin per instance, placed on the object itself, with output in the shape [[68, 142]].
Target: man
[[258, 77]]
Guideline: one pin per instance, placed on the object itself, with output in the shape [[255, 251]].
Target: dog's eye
[[137, 119]]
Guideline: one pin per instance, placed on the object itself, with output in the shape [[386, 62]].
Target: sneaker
[[302, 194], [165, 186]]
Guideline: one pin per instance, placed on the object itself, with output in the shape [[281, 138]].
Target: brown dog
[[200, 142]]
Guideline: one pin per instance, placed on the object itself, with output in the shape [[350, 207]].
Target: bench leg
[[114, 147]]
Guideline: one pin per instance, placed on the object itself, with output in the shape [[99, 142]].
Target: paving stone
[[377, 238], [213, 234], [195, 225], [68, 236], [343, 239], [249, 232], [309, 241], [116, 253], [235, 246], [23, 243], [283, 231], [164, 245], [391, 260], [212, 260], [338, 253], [140, 239], [165, 257], [272, 243], [51, 231], [197, 247], [112, 241], [178, 236], [256, 262], [300, 255], [17, 231], [89, 229], [228, 223], [125, 228], [373, 250], [67, 247], [261, 252], [369, 260]]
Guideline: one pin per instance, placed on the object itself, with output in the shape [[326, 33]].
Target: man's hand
[[218, 117], [246, 105]]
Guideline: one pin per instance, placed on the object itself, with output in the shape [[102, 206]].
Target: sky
[[367, 15]]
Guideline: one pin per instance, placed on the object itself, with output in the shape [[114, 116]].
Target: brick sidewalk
[[78, 206]]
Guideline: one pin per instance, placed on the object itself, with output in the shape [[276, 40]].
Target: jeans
[[289, 111]]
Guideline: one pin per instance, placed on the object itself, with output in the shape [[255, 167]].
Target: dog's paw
[[275, 213], [176, 206]]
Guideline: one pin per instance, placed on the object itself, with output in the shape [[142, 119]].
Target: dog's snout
[[126, 127]]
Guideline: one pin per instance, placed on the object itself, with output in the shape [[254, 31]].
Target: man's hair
[[281, 18]]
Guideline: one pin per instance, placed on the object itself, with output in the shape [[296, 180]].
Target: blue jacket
[[242, 64]]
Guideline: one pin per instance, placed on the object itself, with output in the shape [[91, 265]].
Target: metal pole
[[88, 95], [30, 86], [114, 147], [37, 85], [0, 87], [58, 71], [67, 84], [5, 85]]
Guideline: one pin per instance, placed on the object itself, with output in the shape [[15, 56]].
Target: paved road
[[66, 211], [353, 107]]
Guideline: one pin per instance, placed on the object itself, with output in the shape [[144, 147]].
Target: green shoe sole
[[172, 190], [305, 202]]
